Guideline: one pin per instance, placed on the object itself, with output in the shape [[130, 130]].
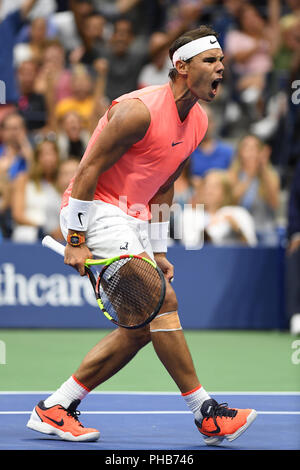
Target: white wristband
[[158, 236], [78, 214]]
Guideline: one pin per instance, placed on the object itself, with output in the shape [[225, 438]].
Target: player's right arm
[[128, 122]]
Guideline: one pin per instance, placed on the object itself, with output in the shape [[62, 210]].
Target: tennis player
[[131, 162]]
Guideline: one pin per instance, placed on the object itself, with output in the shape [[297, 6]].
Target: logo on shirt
[[176, 143]]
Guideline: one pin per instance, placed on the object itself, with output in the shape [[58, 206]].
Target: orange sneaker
[[62, 422], [220, 422]]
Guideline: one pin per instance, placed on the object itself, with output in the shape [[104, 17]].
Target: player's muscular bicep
[[128, 123]]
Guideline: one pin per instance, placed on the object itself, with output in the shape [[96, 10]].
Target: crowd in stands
[[64, 61]]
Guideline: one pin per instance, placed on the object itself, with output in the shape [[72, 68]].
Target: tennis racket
[[129, 289]]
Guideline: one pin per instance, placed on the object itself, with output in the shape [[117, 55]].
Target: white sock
[[69, 391], [194, 400]]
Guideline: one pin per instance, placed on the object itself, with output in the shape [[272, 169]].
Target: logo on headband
[[192, 48]]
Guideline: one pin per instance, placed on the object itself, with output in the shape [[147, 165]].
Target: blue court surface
[[149, 421]]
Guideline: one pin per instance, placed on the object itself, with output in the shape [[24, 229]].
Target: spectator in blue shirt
[[9, 28]]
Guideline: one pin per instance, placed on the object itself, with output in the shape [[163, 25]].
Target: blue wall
[[232, 288]]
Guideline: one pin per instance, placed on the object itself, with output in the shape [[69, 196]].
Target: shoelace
[[74, 414], [221, 409]]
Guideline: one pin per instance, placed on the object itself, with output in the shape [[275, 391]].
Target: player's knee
[[168, 321], [143, 337], [140, 337]]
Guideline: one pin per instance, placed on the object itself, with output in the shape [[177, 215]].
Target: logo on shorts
[[80, 214], [124, 246]]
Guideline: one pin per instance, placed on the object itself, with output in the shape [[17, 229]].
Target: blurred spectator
[[133, 10], [101, 101], [222, 222], [278, 116], [32, 106], [93, 42], [288, 48], [37, 36], [157, 70], [66, 171], [124, 65], [256, 186], [212, 153], [68, 24], [9, 27], [226, 18], [40, 7], [293, 254], [249, 50], [293, 13], [178, 8], [15, 149], [36, 201], [5, 212], [125, 60], [73, 138], [81, 99], [285, 138], [53, 72]]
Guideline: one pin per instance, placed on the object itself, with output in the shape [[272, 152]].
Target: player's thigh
[[170, 302]]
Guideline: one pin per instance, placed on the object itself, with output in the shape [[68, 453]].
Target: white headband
[[195, 47]]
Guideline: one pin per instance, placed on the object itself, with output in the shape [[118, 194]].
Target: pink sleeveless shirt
[[137, 176]]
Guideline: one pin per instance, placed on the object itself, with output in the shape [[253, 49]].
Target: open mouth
[[215, 85]]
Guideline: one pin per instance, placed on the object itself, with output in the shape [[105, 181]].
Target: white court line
[[148, 412]]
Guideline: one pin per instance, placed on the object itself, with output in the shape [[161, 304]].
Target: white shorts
[[112, 232]]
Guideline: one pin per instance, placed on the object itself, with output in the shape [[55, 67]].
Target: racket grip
[[49, 242]]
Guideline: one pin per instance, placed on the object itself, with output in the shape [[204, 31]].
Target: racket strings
[[130, 290]]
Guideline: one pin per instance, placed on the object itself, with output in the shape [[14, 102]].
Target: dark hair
[[185, 38], [93, 13]]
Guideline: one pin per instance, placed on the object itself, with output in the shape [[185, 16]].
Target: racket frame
[[54, 245], [95, 283]]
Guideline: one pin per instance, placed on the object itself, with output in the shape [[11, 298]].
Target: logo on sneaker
[[58, 423], [124, 246]]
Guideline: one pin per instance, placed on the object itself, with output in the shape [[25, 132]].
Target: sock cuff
[[80, 384], [185, 394]]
